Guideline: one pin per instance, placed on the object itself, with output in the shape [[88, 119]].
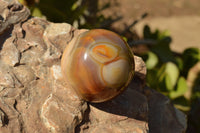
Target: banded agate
[[98, 64]]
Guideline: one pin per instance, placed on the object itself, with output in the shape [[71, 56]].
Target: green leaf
[[147, 32], [173, 72], [168, 75], [36, 12], [152, 60], [179, 62], [180, 90], [152, 78], [196, 85], [168, 82], [181, 103], [190, 57], [163, 34], [125, 39], [23, 2], [163, 51]]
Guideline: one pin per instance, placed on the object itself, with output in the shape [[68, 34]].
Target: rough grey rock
[[163, 117], [35, 98], [12, 12]]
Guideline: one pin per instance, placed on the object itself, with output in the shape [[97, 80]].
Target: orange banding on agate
[[104, 53], [103, 50], [81, 73], [87, 40], [98, 65]]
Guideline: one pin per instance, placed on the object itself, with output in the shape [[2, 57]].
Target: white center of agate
[[116, 73]]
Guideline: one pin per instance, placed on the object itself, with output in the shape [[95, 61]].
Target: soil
[[181, 18]]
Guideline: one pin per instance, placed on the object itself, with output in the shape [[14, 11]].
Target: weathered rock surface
[[35, 98]]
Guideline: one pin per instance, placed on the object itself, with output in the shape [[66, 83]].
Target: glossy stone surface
[[98, 65]]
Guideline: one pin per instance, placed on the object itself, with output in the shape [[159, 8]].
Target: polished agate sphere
[[98, 64]]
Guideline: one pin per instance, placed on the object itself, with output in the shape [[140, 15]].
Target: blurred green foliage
[[79, 13], [176, 75], [68, 11]]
